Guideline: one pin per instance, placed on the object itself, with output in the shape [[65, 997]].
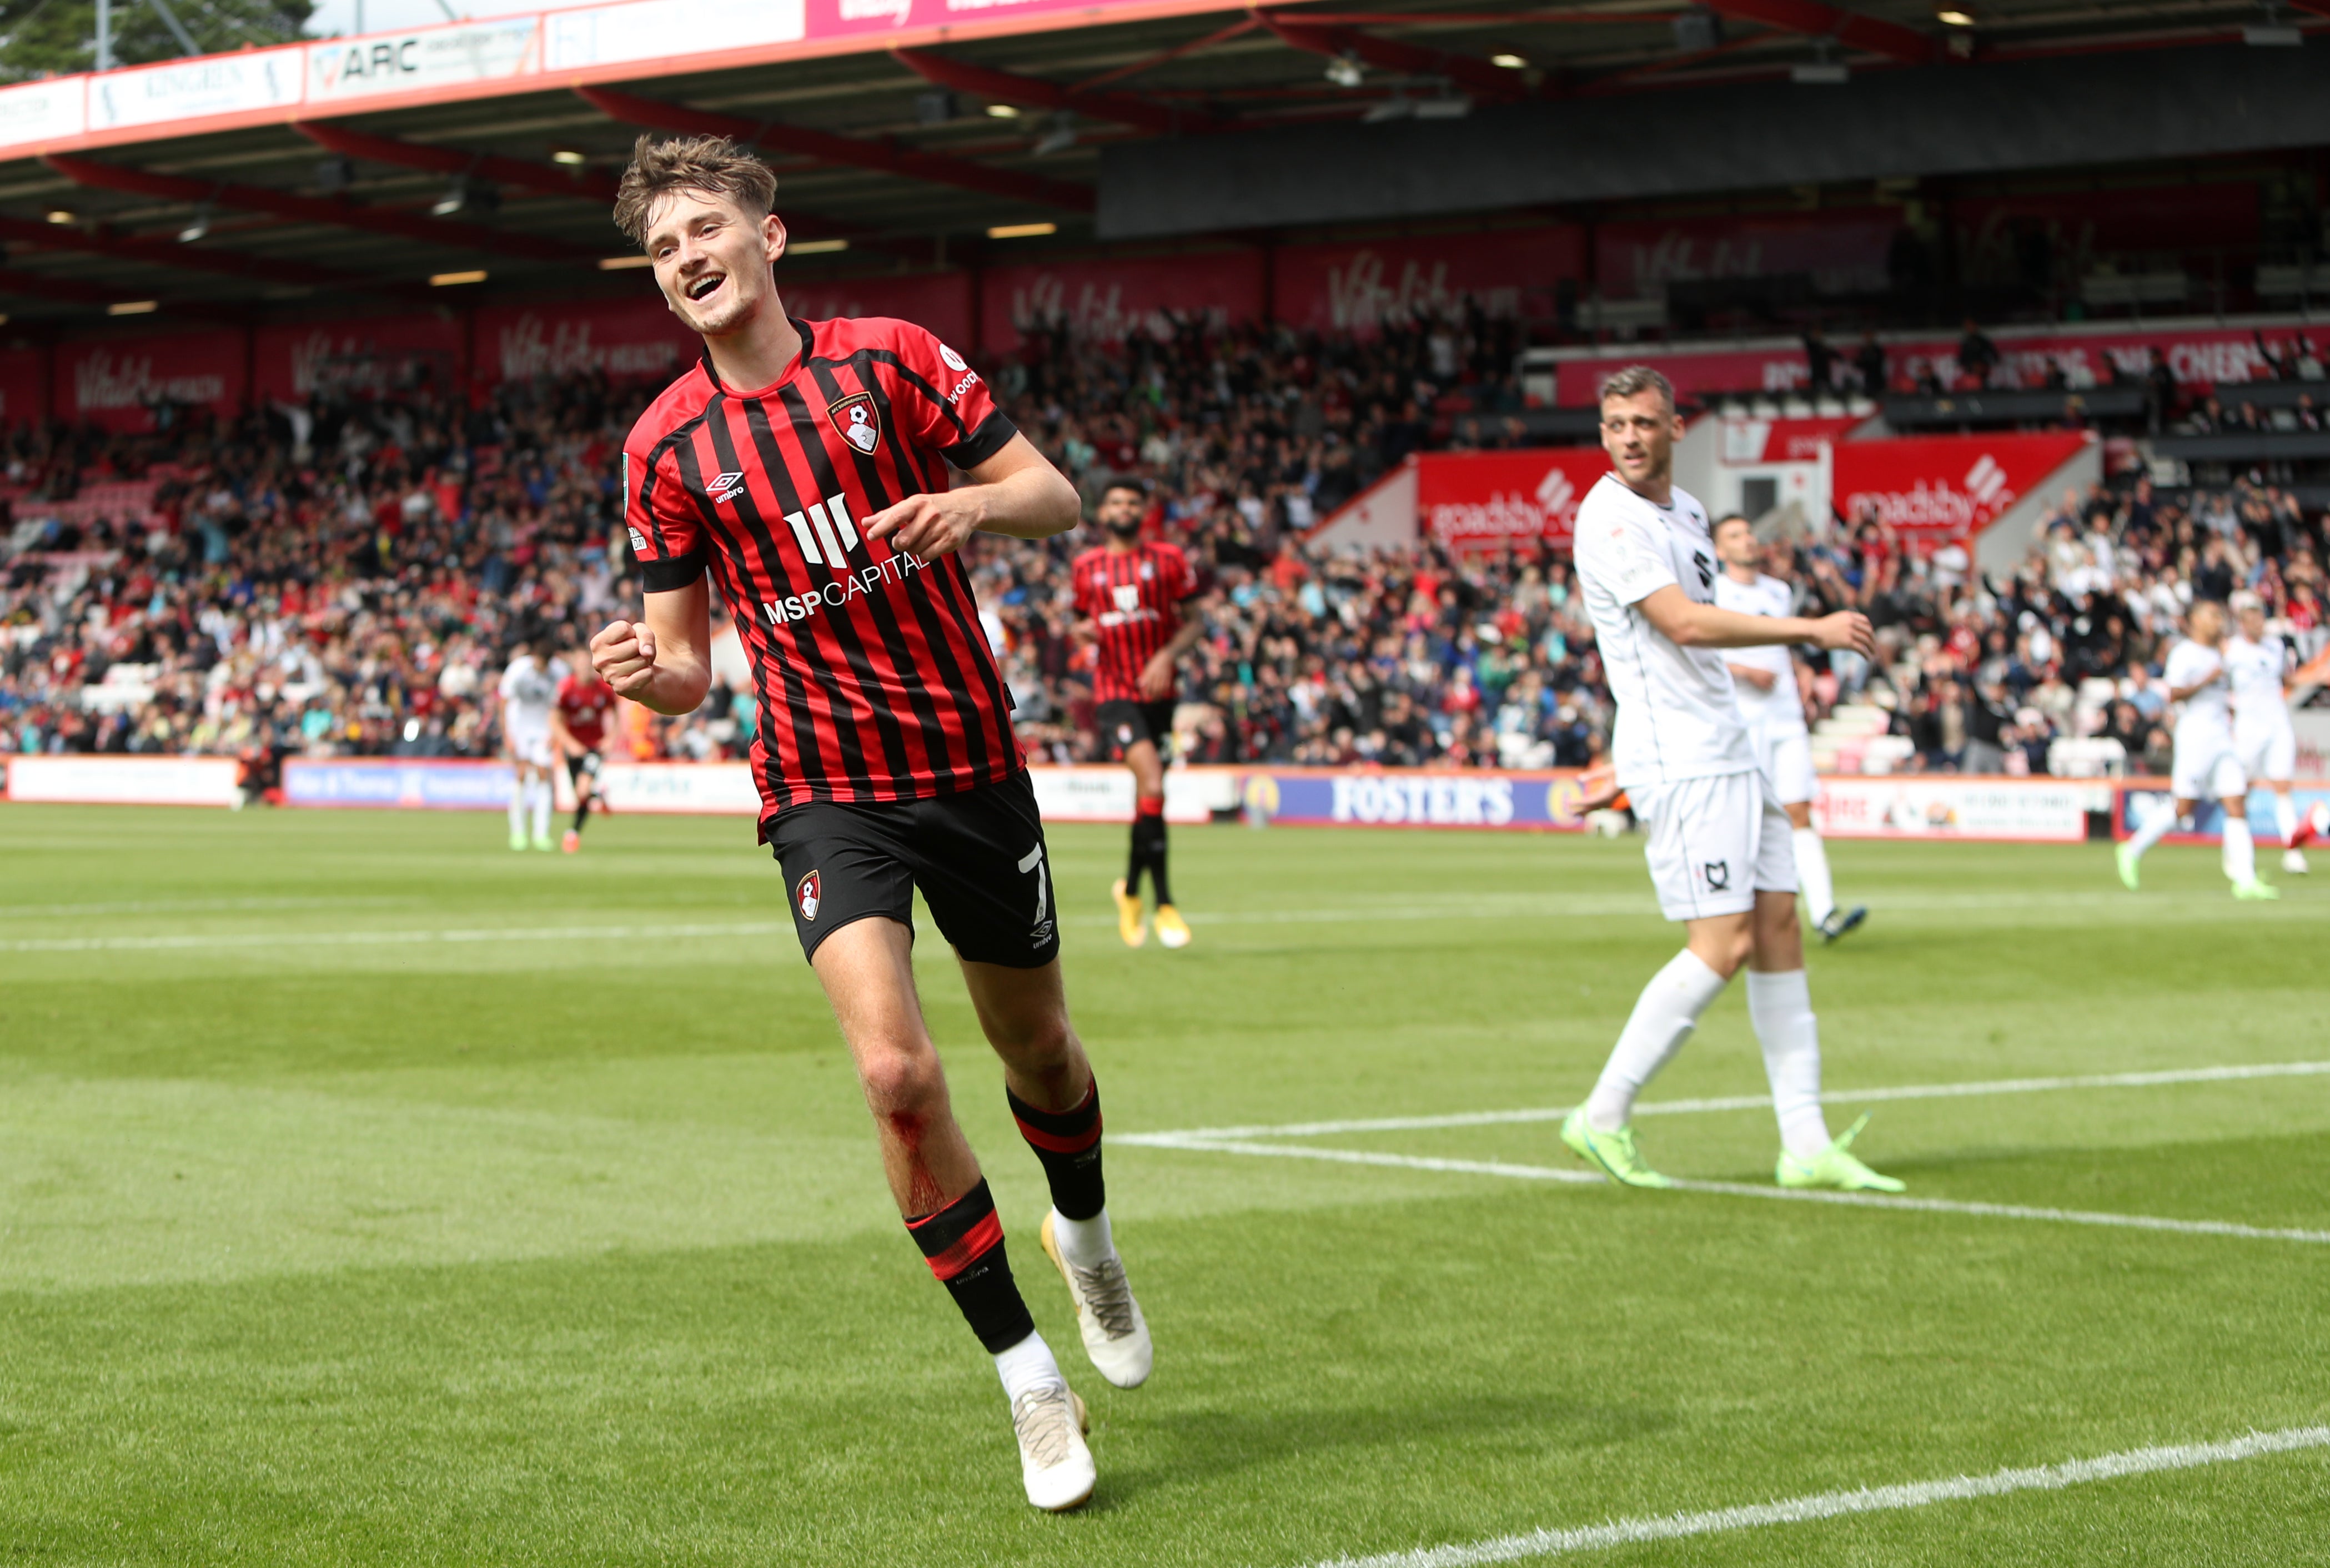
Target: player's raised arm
[[662, 661], [1015, 491], [1687, 623]]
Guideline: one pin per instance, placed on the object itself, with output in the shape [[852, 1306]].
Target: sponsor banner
[[1748, 442], [23, 384], [661, 29], [117, 383], [1415, 798], [43, 112], [621, 338], [426, 57], [1841, 254], [415, 784], [1104, 794], [2313, 727], [257, 79], [2138, 798], [678, 788], [1998, 810], [1945, 484], [845, 18], [125, 780], [1487, 500], [1109, 301], [1355, 290], [2201, 356], [364, 357], [940, 302]]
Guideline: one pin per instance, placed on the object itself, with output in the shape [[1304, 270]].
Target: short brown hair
[[1631, 382], [713, 164]]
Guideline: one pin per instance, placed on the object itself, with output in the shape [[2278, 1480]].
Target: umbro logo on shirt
[[724, 485]]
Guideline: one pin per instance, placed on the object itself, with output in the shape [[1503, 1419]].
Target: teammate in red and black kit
[[1133, 598], [578, 729], [804, 466]]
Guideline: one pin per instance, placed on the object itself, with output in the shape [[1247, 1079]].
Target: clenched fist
[[624, 654]]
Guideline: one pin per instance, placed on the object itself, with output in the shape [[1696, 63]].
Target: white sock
[[1026, 1364], [2285, 817], [1664, 1015], [1780, 1006], [2240, 851], [1086, 1243], [2153, 828], [1811, 875], [517, 807], [541, 809]]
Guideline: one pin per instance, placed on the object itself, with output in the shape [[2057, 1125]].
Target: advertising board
[[2138, 798], [1353, 289], [1109, 301], [198, 89], [427, 57], [1331, 797], [1946, 806], [1946, 484], [1476, 501], [410, 785], [125, 780]]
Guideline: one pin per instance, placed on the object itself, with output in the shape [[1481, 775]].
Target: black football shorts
[[585, 766], [1124, 725], [977, 856]]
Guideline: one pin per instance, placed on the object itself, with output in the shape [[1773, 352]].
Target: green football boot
[[517, 839], [1834, 1167], [2253, 888], [1614, 1152], [2126, 860]]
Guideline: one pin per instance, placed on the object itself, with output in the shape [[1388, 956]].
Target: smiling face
[[713, 261]]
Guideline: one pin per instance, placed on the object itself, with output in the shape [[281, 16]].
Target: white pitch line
[[1840, 1504], [1741, 1190], [172, 943], [1742, 1102]]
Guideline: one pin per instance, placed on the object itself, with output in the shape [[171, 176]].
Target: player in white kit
[[528, 690], [2257, 662], [2206, 766], [1720, 851], [1764, 680]]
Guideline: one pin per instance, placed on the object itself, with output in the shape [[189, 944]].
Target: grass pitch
[[369, 1194]]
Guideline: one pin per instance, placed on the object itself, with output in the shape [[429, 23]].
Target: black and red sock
[[581, 810], [1149, 844], [1067, 1142], [963, 1244]]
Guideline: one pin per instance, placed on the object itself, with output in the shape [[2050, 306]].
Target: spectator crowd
[[347, 576]]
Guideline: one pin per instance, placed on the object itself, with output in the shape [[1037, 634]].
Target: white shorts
[[1716, 844], [530, 746], [2267, 751], [1786, 760], [2207, 770]]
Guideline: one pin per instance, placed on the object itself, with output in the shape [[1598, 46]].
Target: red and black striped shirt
[[872, 673], [1128, 595]]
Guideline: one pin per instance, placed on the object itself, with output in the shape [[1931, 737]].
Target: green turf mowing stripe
[[1839, 1504], [1741, 1190], [1174, 1139]]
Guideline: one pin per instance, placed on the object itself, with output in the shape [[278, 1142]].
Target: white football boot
[[2292, 860], [1115, 1334], [1055, 1464]]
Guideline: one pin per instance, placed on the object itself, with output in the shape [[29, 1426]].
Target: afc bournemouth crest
[[806, 896], [859, 421]]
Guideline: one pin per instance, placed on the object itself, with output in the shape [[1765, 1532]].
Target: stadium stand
[[342, 577]]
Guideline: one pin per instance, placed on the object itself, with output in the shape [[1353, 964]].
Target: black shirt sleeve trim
[[669, 576], [994, 433]]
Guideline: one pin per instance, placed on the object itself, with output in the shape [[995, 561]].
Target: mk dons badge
[[859, 421]]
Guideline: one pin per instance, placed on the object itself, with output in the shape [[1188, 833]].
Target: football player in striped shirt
[[802, 467], [1133, 598]]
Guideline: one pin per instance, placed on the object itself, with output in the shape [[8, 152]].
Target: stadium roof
[[243, 184]]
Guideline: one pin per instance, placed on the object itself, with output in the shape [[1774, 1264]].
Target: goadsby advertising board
[[1945, 484], [1474, 501]]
